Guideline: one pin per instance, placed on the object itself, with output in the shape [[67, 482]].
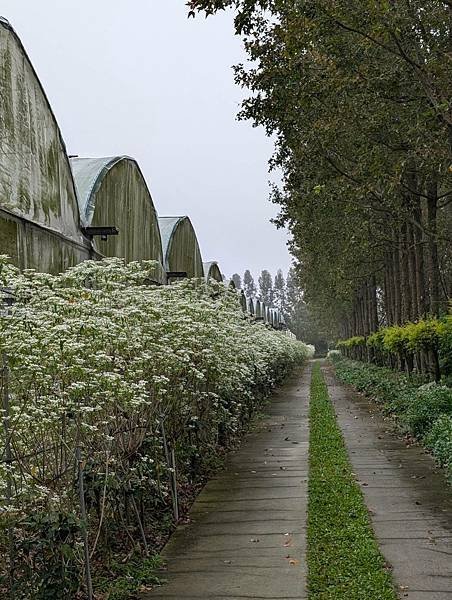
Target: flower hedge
[[98, 362]]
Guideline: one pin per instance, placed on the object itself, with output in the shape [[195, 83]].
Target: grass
[[344, 561]]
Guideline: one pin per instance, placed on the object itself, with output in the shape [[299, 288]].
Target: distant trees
[[357, 95], [237, 281], [279, 291], [287, 295], [249, 287], [266, 287]]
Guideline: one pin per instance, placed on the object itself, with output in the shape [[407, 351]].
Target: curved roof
[[212, 271], [181, 251], [89, 174], [167, 228], [36, 181], [243, 303], [112, 191], [258, 307]]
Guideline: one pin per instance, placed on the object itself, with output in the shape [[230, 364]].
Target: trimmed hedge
[[423, 347]]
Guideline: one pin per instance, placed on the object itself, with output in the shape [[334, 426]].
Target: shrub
[[428, 402], [432, 337], [334, 355], [353, 342], [439, 441], [103, 363]]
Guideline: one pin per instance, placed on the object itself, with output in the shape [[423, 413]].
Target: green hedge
[[425, 347]]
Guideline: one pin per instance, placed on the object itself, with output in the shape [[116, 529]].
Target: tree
[[279, 290], [298, 316], [237, 281], [266, 288], [249, 287], [356, 95]]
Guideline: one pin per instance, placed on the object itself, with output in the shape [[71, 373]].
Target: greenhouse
[[182, 256], [116, 208], [212, 271], [39, 219]]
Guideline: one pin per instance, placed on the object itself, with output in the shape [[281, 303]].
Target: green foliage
[[266, 291], [334, 355], [99, 359], [137, 574], [353, 342], [357, 97], [344, 562], [429, 402], [395, 339], [439, 442], [426, 334], [237, 281], [376, 340], [279, 289], [445, 349], [47, 557], [249, 287]]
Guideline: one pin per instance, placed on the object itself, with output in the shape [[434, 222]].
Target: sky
[[136, 77]]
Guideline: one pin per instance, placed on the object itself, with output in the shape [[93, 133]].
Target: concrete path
[[247, 536], [410, 505]]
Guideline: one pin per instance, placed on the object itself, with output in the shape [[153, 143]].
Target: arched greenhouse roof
[[112, 192], [39, 217], [258, 308], [243, 302], [181, 251], [212, 271]]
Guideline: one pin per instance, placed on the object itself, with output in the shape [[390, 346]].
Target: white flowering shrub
[[334, 355], [310, 350], [98, 359]]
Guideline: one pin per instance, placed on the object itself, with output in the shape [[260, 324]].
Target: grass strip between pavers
[[344, 561]]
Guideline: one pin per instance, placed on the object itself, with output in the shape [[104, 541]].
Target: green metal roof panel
[[180, 245], [212, 271], [88, 175], [167, 228]]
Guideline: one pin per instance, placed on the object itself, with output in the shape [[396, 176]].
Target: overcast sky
[[136, 77]]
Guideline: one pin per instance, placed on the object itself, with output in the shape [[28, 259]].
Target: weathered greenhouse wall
[[39, 220], [180, 246], [212, 271], [113, 192]]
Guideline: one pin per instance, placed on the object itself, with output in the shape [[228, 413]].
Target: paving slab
[[247, 532], [408, 498]]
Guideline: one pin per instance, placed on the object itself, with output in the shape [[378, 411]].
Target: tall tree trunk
[[373, 305], [389, 291], [433, 266], [419, 259], [396, 280], [412, 272], [404, 279]]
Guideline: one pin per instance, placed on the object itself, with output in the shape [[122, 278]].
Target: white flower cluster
[[99, 359]]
